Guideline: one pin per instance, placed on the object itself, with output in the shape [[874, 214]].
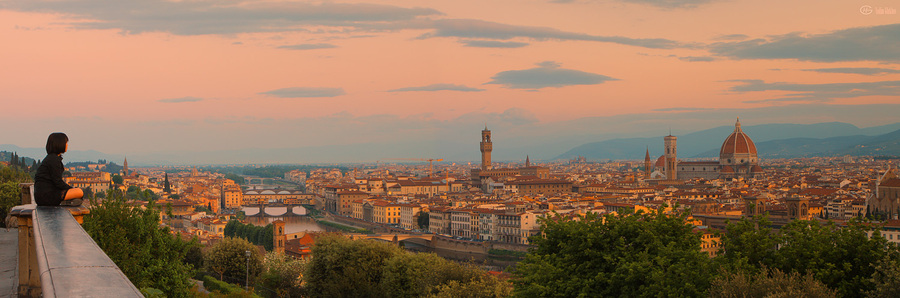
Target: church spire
[[527, 161]]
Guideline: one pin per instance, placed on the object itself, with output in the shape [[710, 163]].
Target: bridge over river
[[273, 210]]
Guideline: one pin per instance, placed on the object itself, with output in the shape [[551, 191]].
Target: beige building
[[439, 220], [464, 223], [408, 213], [232, 197], [541, 186], [385, 212], [97, 181], [516, 227]]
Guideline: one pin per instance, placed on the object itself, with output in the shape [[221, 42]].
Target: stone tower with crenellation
[[486, 148]]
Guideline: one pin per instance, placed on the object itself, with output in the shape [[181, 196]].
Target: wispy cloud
[[877, 43], [478, 29], [681, 109], [438, 87], [697, 58], [308, 46], [253, 16], [732, 37], [299, 92], [181, 99], [547, 74], [667, 4], [493, 44], [218, 17], [869, 71], [818, 92]]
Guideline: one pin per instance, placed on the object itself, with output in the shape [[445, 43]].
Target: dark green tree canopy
[[633, 254], [228, 259], [149, 255]]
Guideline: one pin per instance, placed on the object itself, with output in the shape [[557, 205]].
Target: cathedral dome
[[660, 162], [737, 143]]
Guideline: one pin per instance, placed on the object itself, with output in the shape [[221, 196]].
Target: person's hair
[[56, 143]]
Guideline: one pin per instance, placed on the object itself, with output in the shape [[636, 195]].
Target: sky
[[152, 78]]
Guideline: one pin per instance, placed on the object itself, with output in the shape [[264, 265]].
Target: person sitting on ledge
[[49, 187]]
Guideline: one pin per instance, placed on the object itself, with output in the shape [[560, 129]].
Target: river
[[292, 224]]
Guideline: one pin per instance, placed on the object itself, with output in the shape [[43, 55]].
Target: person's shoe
[[72, 202]]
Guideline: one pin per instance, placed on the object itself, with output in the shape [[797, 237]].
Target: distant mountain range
[[886, 144], [71, 156], [772, 141]]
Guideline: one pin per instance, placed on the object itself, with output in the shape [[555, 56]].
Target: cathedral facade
[[885, 198], [737, 159]]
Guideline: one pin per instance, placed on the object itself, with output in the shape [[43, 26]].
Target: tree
[[485, 286], [228, 259], [366, 268], [230, 228], [886, 278], [630, 254], [346, 268], [422, 220], [768, 283], [88, 193], [130, 235], [117, 179], [283, 274], [9, 189], [750, 243], [166, 187], [427, 274], [843, 258]]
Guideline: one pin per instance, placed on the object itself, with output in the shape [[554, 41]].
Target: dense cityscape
[[398, 148], [489, 214]]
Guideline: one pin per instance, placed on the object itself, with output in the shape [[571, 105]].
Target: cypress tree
[[166, 187]]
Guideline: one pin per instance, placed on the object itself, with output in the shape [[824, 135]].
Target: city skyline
[[160, 77]]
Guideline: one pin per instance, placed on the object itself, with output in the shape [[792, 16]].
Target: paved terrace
[[9, 277]]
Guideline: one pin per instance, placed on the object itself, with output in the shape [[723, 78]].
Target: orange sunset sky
[[150, 77]]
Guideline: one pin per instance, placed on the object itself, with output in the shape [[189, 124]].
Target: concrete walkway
[[9, 274]]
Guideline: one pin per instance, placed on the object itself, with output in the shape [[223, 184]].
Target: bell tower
[[486, 148], [671, 157], [647, 164], [278, 236]]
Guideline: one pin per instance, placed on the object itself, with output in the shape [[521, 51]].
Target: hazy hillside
[[71, 156], [804, 139]]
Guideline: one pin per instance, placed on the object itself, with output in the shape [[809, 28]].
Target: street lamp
[[247, 275]]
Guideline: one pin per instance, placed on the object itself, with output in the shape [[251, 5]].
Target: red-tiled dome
[[660, 162], [756, 169], [727, 169], [738, 142]]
